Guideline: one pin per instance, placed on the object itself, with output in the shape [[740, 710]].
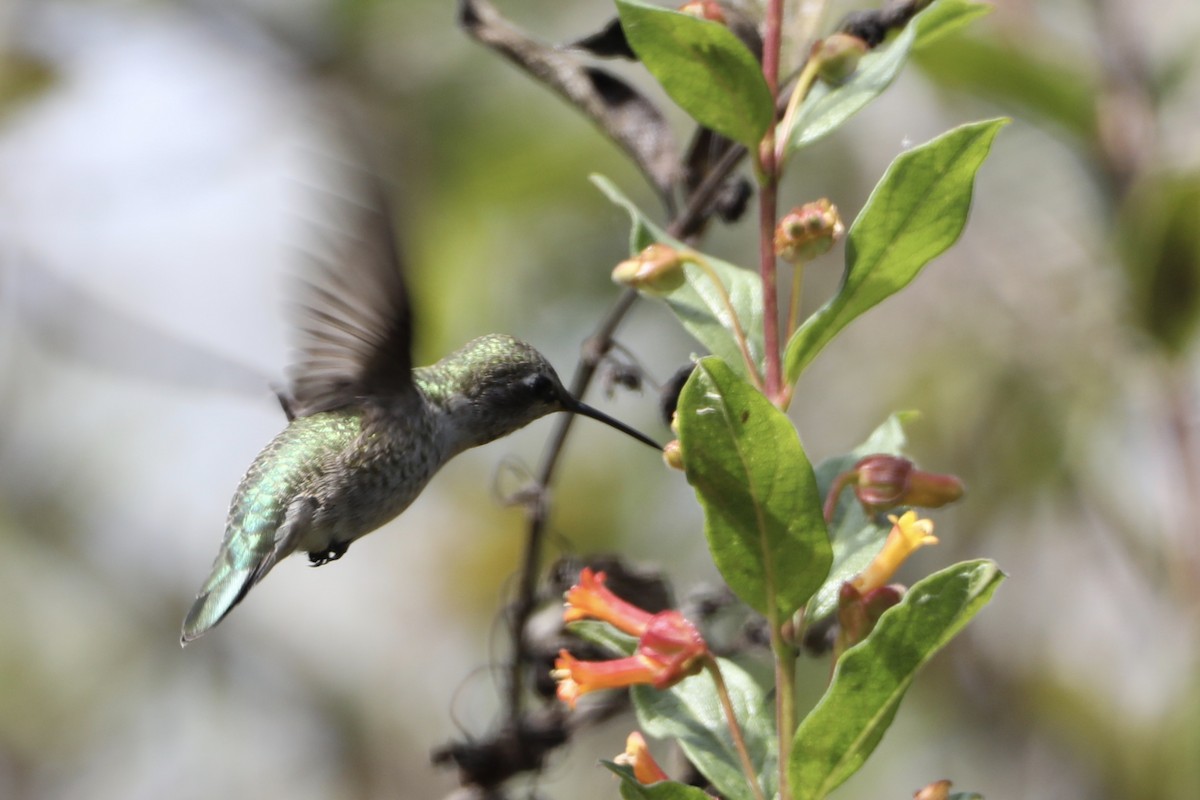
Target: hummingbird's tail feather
[[224, 589], [244, 560]]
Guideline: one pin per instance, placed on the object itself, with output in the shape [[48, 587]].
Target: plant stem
[[804, 83], [767, 199], [785, 705], [797, 291], [735, 730], [688, 222]]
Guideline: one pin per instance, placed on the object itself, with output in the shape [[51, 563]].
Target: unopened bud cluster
[[808, 231]]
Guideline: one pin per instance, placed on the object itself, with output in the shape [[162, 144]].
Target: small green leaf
[[762, 512], [703, 67], [871, 678], [690, 713], [604, 635], [944, 17], [826, 107], [856, 537], [697, 303], [918, 209], [631, 789]]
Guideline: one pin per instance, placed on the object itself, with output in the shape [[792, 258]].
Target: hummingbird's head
[[497, 384]]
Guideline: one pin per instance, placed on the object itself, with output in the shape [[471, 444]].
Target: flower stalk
[[735, 729]]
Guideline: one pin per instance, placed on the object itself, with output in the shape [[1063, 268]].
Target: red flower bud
[[882, 482]]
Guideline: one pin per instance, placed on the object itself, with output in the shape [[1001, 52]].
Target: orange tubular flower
[[908, 535], [669, 647], [591, 599], [637, 756]]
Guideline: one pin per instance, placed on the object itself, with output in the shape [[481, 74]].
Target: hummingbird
[[366, 431]]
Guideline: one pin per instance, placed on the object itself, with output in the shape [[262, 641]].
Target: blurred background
[[153, 163]]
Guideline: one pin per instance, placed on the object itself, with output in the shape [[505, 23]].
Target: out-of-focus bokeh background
[[153, 162]]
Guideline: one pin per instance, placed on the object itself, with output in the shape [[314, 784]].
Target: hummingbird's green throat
[[366, 431]]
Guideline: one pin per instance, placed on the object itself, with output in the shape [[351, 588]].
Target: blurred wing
[[354, 323]]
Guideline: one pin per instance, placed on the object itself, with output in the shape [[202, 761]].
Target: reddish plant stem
[[767, 199]]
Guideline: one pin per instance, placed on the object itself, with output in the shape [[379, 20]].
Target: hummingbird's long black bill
[[587, 411]]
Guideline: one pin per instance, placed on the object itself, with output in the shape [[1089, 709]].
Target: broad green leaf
[[762, 512], [663, 790], [871, 678], [827, 107], [604, 635], [704, 67], [966, 796], [918, 209], [690, 713], [697, 303], [946, 16], [856, 537]]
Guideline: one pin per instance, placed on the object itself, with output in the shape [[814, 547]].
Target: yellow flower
[[907, 536]]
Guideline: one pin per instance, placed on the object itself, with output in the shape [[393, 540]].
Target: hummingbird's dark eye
[[542, 386]]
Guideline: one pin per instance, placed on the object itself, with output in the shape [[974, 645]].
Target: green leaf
[[690, 713], [856, 537], [704, 67], [762, 512], [944, 17], [604, 635], [918, 209], [631, 789], [871, 678], [826, 107], [697, 303]]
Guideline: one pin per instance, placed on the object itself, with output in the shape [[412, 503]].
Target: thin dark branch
[[594, 350]]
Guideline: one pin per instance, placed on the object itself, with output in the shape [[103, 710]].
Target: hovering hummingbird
[[366, 431]]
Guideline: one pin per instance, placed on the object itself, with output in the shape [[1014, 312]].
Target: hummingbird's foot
[[332, 553]]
